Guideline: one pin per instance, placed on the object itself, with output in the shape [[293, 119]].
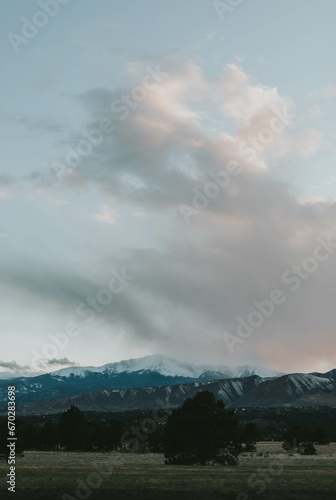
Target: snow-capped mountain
[[157, 363], [155, 370], [168, 367]]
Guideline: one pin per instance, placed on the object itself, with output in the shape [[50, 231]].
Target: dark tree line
[[76, 433], [201, 431], [73, 432], [297, 438]]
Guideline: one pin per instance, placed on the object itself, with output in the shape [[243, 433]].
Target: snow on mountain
[[140, 383], [293, 389], [229, 391], [303, 383], [168, 367], [158, 363], [247, 371], [79, 371]]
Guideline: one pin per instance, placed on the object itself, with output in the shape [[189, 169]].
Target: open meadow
[[269, 473]]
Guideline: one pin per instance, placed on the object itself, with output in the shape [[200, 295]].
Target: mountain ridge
[[140, 382], [168, 366], [295, 390], [152, 370]]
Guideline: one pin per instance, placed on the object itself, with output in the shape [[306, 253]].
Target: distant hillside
[[289, 390]]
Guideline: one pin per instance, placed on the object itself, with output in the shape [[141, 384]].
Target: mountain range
[[154, 370], [158, 381]]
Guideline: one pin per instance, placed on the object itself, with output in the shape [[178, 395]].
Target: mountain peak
[[168, 367]]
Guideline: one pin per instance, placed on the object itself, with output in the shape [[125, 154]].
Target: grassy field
[[268, 474]]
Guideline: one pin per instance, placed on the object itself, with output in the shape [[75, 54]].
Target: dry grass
[[50, 475], [326, 455]]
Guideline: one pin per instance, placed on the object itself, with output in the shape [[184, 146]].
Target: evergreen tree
[[201, 431], [50, 436], [321, 437], [250, 436], [73, 430]]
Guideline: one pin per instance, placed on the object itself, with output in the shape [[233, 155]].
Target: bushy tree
[[73, 430], [114, 431], [155, 440], [321, 437], [308, 449], [202, 431], [33, 436], [50, 435], [105, 436], [293, 437], [250, 436]]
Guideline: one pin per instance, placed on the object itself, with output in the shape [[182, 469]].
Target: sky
[[167, 182]]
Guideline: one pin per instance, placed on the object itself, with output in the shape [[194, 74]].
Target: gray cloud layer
[[193, 284]]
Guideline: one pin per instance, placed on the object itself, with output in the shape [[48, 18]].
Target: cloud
[[61, 362], [245, 101], [312, 113], [154, 156], [106, 215], [37, 125], [7, 183], [13, 366], [327, 92], [306, 143], [16, 370], [192, 280]]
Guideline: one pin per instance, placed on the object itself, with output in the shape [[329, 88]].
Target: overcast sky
[[164, 165]]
